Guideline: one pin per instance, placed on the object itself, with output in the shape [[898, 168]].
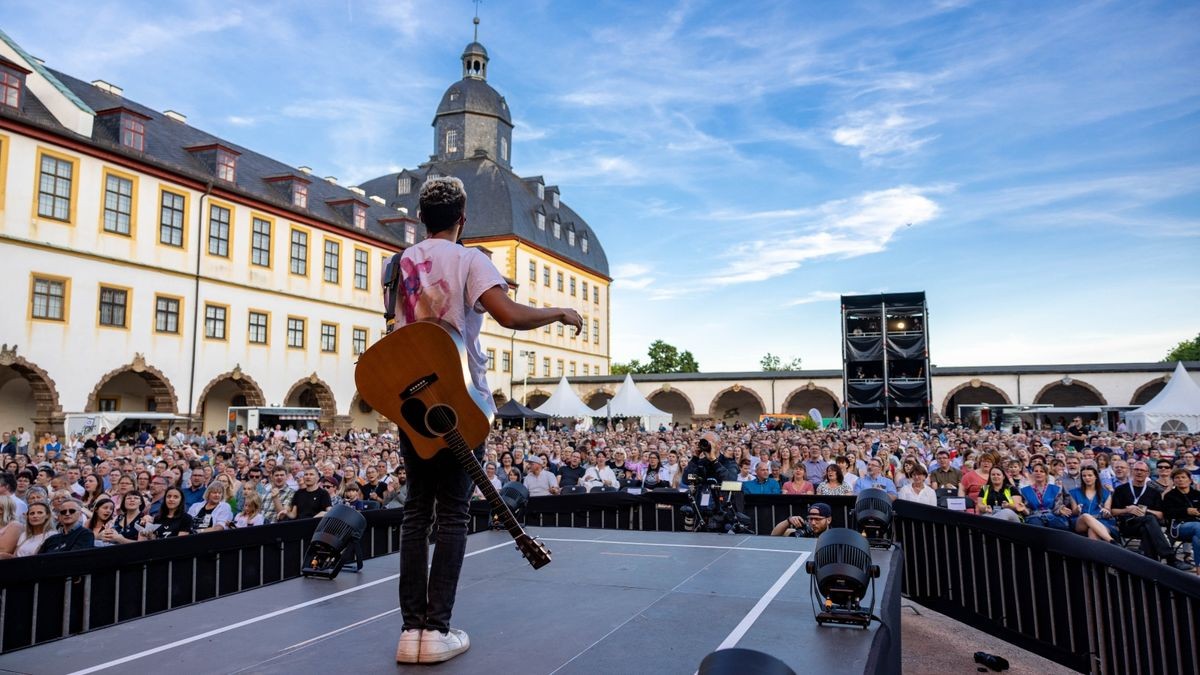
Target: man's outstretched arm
[[522, 317]]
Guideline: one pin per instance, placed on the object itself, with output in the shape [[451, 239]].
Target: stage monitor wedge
[[885, 359]]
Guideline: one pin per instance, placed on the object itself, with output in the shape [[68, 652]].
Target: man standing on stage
[[441, 279]]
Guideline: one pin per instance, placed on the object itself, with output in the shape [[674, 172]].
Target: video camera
[[715, 506]]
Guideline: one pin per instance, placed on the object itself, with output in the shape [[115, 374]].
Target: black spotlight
[[840, 571], [336, 541], [516, 497], [873, 517], [740, 661]]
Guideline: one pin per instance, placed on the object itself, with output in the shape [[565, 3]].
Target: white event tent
[[1175, 409], [629, 402], [564, 402]]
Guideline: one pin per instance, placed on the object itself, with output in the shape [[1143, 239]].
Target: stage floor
[[611, 601]]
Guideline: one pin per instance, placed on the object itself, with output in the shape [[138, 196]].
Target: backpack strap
[[392, 280]]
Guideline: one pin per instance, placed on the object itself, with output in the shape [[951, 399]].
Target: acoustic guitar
[[417, 377]]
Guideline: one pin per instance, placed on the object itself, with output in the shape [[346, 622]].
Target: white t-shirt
[[443, 281], [539, 485], [926, 496]]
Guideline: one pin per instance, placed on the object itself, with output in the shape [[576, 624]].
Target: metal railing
[[47, 597], [1085, 604]]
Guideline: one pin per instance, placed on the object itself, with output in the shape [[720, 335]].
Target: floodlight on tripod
[[840, 572], [873, 517], [330, 548]]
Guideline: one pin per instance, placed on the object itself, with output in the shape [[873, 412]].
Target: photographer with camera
[[818, 521]]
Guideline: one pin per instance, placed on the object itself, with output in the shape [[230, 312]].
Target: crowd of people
[[105, 491]]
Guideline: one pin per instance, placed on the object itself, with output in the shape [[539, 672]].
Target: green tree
[[1188, 350], [664, 358], [773, 362]]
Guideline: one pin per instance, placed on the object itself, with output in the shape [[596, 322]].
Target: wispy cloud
[[817, 296], [632, 276], [846, 228], [241, 120], [881, 133]]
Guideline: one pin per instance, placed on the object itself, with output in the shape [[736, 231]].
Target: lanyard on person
[[1138, 496]]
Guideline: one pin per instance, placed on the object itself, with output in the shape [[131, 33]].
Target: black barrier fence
[[656, 511], [1085, 604], [47, 597], [885, 655]]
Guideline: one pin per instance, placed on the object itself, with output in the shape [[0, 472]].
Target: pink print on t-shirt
[[432, 300]]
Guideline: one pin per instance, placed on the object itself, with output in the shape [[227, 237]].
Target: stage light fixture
[[840, 572], [330, 548], [873, 517], [738, 661]]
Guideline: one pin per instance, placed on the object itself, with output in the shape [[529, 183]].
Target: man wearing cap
[[818, 522], [538, 481]]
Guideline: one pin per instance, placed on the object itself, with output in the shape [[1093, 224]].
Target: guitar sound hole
[[441, 419]]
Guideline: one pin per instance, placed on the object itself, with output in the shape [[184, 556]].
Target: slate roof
[[501, 203], [166, 147], [475, 96]]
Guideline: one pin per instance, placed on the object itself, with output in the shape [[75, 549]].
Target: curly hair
[[442, 203]]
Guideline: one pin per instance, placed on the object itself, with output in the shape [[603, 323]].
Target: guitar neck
[[474, 469]]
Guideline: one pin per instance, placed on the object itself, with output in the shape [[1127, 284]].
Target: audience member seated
[[917, 490], [539, 481], [71, 535], [799, 484], [1091, 513], [762, 483], [1181, 506], [998, 499], [37, 527], [172, 519], [876, 480], [213, 514], [1138, 508], [1046, 504]]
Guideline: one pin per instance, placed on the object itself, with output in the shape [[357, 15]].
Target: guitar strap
[[393, 285]]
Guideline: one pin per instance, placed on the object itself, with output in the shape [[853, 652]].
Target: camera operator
[[818, 521]]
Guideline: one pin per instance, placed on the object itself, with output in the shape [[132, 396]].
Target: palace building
[[151, 266]]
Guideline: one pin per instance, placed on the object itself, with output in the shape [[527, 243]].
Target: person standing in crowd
[[427, 592], [311, 500]]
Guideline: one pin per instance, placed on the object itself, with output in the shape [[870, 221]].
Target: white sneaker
[[409, 649], [437, 646]]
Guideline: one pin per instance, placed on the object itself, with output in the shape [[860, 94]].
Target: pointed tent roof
[[1180, 396], [564, 402], [629, 402], [515, 411]]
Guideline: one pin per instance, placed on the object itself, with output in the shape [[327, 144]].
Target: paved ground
[[926, 648]]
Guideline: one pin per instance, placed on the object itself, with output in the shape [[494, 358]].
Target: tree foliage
[[774, 362], [1188, 350], [664, 358]]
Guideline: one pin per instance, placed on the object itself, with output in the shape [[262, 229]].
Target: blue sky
[[1034, 167]]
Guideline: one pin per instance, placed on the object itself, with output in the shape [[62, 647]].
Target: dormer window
[[360, 216], [410, 233], [541, 191], [133, 133], [504, 149], [404, 185], [226, 166], [299, 194], [554, 199], [583, 243], [219, 159], [10, 88], [541, 222], [571, 237], [557, 229]]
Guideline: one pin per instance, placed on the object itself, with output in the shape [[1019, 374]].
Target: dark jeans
[[1154, 543], [427, 594]]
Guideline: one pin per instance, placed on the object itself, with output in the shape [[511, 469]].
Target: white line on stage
[[643, 543], [247, 622]]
